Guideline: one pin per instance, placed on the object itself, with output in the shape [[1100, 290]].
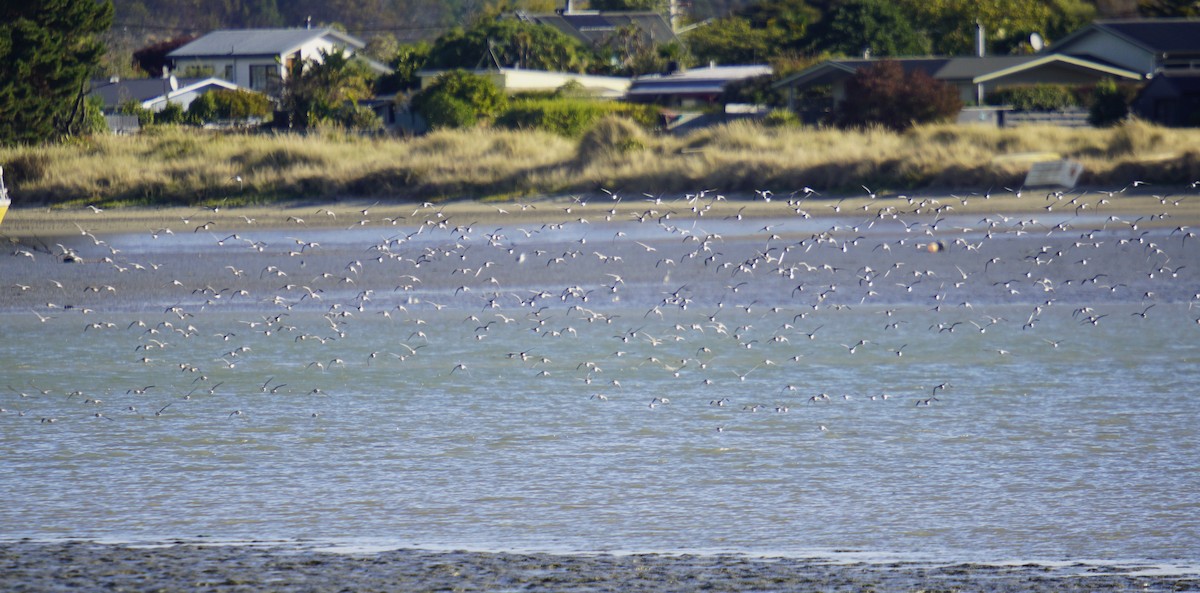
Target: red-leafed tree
[[884, 94]]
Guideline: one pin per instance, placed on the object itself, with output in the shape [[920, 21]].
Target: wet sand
[[33, 566], [25, 223]]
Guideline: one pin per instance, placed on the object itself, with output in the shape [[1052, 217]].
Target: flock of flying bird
[[692, 289]]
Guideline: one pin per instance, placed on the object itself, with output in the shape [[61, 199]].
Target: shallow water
[[1010, 426]]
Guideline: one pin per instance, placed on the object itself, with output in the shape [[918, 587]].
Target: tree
[[1109, 103], [326, 90], [754, 34], [510, 43], [886, 95], [628, 5], [877, 26], [1007, 24], [48, 49], [1168, 8], [458, 99], [729, 40], [153, 58], [405, 61]]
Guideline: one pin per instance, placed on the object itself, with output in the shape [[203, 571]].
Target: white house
[[155, 93], [519, 80], [259, 59]]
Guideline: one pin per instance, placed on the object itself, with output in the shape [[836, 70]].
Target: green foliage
[[754, 34], [458, 99], [568, 116], [729, 40], [1168, 8], [950, 24], [640, 5], [48, 49], [875, 25], [224, 104], [755, 91], [1036, 97], [1109, 103], [883, 94], [131, 107], [326, 91], [153, 58], [93, 117], [514, 44], [406, 61], [781, 118], [171, 113]]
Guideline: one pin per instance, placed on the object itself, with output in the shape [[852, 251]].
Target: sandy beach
[[1183, 204]]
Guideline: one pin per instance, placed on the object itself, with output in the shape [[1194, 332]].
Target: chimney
[[569, 7], [979, 39], [308, 22]]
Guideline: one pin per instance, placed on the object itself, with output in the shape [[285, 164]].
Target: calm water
[[1012, 398]]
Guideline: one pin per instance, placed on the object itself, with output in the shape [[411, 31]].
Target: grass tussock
[[184, 166]]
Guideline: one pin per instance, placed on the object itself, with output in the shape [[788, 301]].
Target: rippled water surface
[[772, 386]]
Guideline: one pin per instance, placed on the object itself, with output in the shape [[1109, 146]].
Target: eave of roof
[[1051, 58], [258, 42]]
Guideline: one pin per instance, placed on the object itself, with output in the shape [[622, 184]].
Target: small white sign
[[1063, 173]]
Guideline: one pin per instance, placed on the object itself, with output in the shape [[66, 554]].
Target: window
[[229, 72], [265, 79]]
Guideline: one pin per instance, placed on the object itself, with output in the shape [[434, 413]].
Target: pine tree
[[48, 50]]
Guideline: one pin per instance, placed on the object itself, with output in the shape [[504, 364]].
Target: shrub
[[1110, 103], [458, 99], [779, 118], [1036, 97], [171, 113], [884, 94], [145, 116]]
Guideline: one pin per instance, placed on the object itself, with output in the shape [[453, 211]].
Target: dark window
[[265, 79]]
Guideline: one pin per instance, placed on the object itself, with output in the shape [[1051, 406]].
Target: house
[[691, 86], [259, 59], [155, 93], [598, 29], [519, 80], [1172, 98], [972, 76], [1145, 46]]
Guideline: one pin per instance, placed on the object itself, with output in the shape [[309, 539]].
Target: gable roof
[[710, 80], [966, 69], [147, 90], [260, 42], [831, 70], [1159, 36], [987, 69], [595, 28]]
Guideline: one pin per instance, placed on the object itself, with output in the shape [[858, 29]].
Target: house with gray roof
[[259, 59], [690, 86], [598, 29], [155, 93], [1146, 46], [972, 76]]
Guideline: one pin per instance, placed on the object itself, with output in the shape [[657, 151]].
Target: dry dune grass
[[183, 166]]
